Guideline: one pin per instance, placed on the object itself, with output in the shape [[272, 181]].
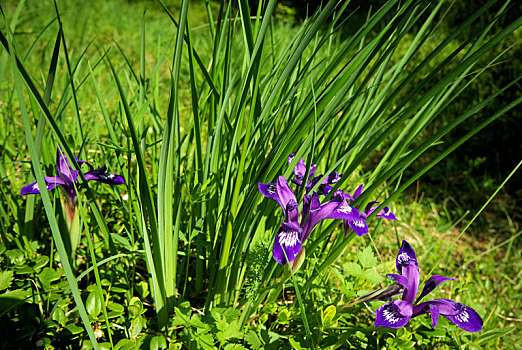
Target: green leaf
[[125, 344], [93, 304], [283, 316], [16, 256], [74, 329], [12, 298], [352, 268], [205, 341], [235, 347], [47, 276], [294, 343], [58, 315], [366, 257], [328, 317], [372, 276], [6, 278], [143, 289], [137, 325], [40, 262], [158, 342], [253, 340], [493, 334]]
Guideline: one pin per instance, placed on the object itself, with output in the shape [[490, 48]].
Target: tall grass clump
[[213, 112]]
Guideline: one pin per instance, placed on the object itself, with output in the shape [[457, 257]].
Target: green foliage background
[[34, 302]]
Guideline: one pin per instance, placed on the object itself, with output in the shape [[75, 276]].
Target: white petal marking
[[462, 317], [401, 258], [390, 316], [288, 239], [359, 223], [345, 209]]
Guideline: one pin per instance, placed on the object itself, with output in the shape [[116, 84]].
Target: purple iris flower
[[300, 172], [67, 177], [359, 225], [295, 229], [398, 313]]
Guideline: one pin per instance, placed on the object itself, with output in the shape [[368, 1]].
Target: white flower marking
[[390, 316], [107, 176], [359, 223], [345, 209], [35, 186], [462, 317], [288, 239], [403, 258]]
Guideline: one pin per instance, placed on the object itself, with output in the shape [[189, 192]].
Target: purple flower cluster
[[300, 221], [297, 226], [67, 177], [397, 313]]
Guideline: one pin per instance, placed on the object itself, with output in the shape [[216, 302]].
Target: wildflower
[[291, 235], [67, 177], [359, 225], [398, 313], [300, 172]]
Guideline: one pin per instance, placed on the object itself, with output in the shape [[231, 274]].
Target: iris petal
[[431, 284], [395, 314], [406, 256], [287, 242], [359, 226], [33, 188], [461, 315]]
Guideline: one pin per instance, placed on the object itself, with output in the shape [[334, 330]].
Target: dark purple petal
[[299, 172], [411, 272], [395, 314], [405, 257], [81, 162], [407, 266], [287, 242], [101, 176], [310, 184], [387, 214], [370, 207], [431, 284], [461, 315], [51, 183], [65, 171], [467, 319], [317, 214], [348, 196], [359, 226], [403, 281], [284, 192], [326, 190], [30, 189], [333, 178], [291, 212], [269, 191], [358, 192], [344, 212]]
